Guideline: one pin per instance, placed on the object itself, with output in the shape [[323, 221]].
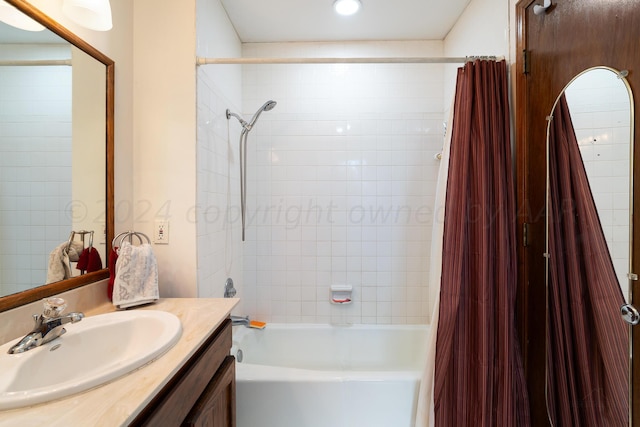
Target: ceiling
[[315, 20]]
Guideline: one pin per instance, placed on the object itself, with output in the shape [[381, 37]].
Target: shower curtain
[[478, 377], [587, 340]]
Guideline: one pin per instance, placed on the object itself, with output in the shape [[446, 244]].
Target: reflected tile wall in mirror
[[35, 159]]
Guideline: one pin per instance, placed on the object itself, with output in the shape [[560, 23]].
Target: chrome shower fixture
[[246, 128], [240, 119], [267, 106]]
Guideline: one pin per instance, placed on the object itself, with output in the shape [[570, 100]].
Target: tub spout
[[239, 320]]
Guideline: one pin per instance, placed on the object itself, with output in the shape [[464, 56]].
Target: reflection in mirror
[[56, 156], [53, 158], [588, 181], [601, 114]]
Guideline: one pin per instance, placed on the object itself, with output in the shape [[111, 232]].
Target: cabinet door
[[177, 399], [216, 407]]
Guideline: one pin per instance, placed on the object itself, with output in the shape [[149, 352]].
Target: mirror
[[57, 156], [600, 105], [589, 183]]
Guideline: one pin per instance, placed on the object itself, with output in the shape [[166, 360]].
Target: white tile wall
[[219, 249], [219, 245], [341, 182], [35, 170], [599, 104]]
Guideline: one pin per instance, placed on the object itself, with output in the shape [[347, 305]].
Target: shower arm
[[244, 124]]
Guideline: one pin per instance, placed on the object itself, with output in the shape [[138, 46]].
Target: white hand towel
[[136, 280], [60, 261]]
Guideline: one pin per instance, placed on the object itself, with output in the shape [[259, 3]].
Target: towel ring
[[84, 233], [71, 236], [138, 233], [119, 239], [115, 239], [127, 234]]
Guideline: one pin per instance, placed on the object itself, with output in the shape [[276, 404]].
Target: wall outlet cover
[[161, 232]]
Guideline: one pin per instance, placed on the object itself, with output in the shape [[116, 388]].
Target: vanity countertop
[[118, 402]]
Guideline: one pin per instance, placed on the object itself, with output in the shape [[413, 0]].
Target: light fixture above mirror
[[91, 14], [12, 16]]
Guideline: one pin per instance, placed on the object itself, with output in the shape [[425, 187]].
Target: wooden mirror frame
[[21, 298]]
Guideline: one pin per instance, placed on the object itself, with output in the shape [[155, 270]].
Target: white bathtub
[[296, 375]]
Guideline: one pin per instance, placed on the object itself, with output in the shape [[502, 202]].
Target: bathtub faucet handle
[[229, 290]]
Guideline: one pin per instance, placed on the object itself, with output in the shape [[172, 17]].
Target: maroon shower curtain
[[587, 340], [479, 380]]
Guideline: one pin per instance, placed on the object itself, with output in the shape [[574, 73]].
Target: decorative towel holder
[[82, 234], [117, 241], [135, 274], [341, 294]]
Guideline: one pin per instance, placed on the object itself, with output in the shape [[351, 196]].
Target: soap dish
[[341, 294]]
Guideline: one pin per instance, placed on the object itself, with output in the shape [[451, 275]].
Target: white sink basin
[[94, 351]]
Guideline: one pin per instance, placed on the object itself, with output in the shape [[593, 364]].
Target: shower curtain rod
[[35, 62], [378, 60]]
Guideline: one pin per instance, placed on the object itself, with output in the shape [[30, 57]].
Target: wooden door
[[572, 36]]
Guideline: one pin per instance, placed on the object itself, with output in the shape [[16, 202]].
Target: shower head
[[267, 106]]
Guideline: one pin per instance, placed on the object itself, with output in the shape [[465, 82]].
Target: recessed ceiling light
[[347, 7]]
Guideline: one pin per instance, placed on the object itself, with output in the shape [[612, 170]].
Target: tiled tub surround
[[341, 182], [117, 403]]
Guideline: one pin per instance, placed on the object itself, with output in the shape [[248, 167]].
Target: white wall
[[155, 121], [164, 138], [341, 181], [155, 125], [88, 167], [309, 174], [483, 29], [219, 88], [117, 45]]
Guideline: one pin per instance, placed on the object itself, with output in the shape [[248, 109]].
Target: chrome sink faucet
[[48, 325]]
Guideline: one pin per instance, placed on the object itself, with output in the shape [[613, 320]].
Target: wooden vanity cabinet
[[216, 406], [202, 393]]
